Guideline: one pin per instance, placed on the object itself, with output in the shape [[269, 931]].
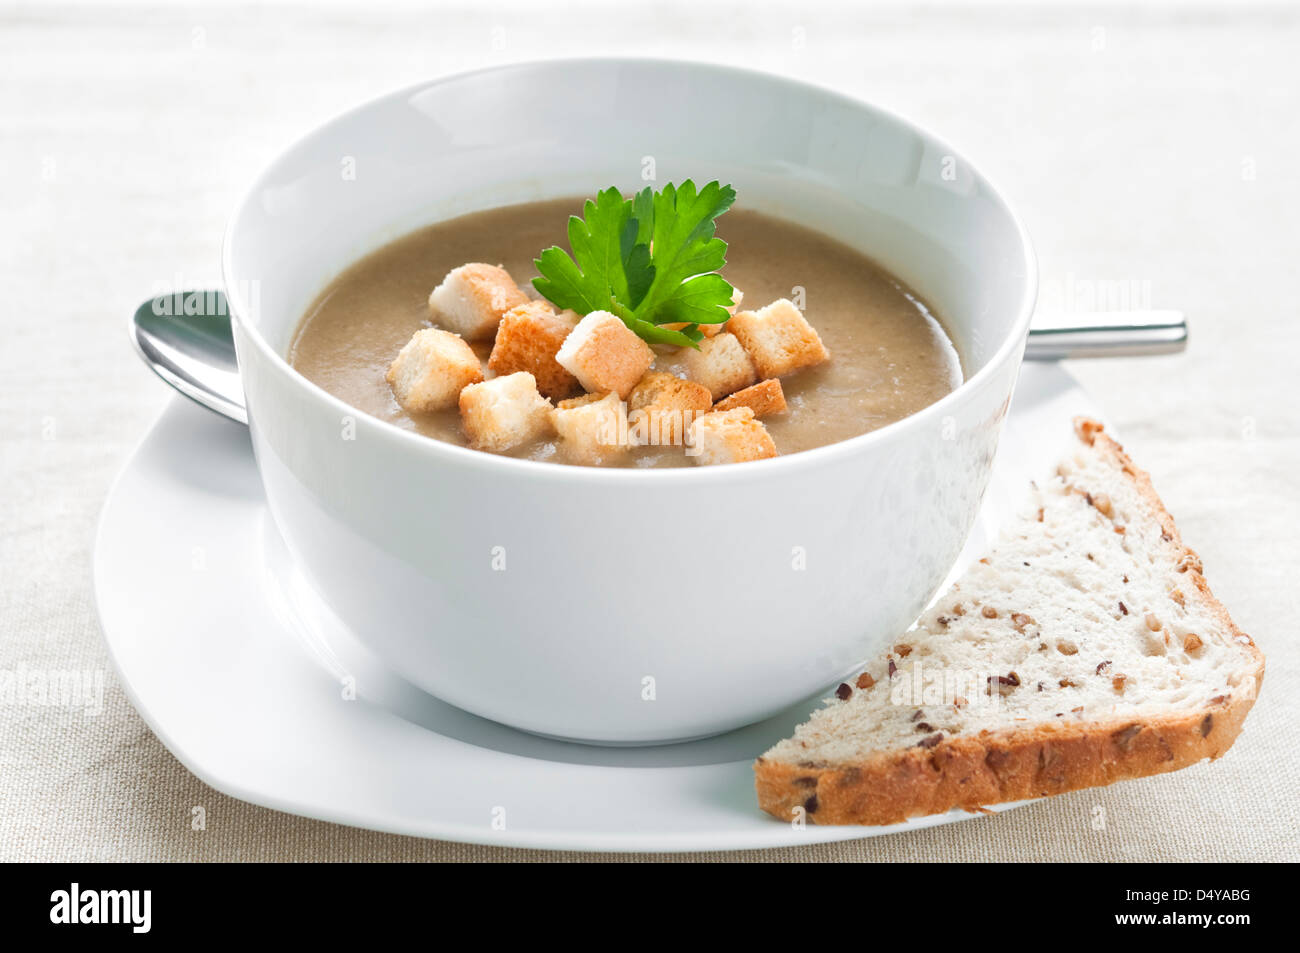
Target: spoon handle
[[1106, 334]]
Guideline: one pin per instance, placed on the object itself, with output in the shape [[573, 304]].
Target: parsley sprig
[[651, 259]]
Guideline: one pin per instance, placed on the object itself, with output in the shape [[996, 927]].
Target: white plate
[[242, 673]]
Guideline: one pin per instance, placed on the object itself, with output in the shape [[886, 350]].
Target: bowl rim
[[443, 452]]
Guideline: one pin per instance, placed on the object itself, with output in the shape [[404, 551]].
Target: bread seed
[[1124, 737], [989, 612], [843, 692], [1004, 684], [1191, 642], [865, 680]]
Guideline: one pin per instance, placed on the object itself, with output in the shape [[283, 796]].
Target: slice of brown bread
[[1085, 649]]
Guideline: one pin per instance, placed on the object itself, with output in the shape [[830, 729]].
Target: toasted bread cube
[[765, 397], [662, 407], [778, 338], [592, 428], [500, 414], [581, 400], [721, 365], [429, 373], [729, 436], [605, 355], [528, 338], [472, 299], [663, 391]]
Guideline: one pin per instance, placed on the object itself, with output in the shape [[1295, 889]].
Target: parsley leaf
[[683, 250], [598, 241], [652, 260]]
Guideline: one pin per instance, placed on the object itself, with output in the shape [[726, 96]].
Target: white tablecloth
[[1151, 151]]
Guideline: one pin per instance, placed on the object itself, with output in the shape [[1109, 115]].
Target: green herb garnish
[[651, 259]]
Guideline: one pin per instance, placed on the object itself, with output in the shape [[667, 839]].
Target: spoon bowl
[[185, 339]]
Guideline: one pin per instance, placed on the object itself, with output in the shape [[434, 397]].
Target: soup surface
[[889, 356]]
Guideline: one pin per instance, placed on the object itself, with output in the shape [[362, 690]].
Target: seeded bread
[[1085, 649]]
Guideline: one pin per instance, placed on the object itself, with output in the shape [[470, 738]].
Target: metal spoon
[[185, 338]]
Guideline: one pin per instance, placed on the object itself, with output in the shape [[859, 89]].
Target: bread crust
[[763, 398], [528, 338], [730, 436], [604, 354], [996, 767]]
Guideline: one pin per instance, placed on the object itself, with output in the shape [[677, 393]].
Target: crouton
[[580, 401], [528, 339], [765, 397], [778, 338], [472, 298], [661, 408], [664, 391], [429, 373], [591, 428], [604, 354], [729, 436], [721, 365], [504, 412]]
